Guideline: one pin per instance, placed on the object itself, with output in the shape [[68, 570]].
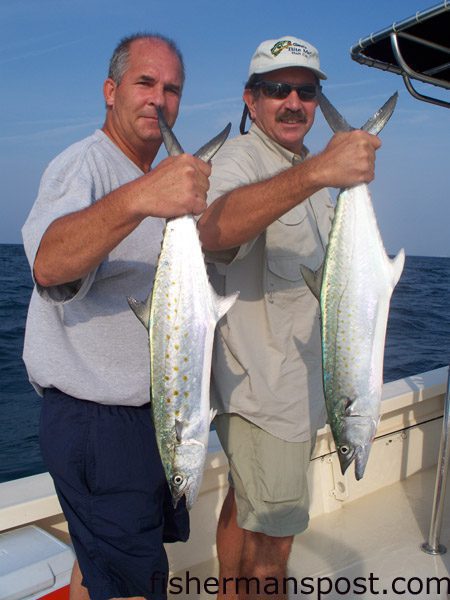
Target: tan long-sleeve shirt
[[267, 358]]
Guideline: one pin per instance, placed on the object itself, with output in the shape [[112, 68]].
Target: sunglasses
[[280, 91]]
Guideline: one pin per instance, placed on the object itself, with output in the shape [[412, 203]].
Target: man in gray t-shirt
[[268, 215], [93, 238]]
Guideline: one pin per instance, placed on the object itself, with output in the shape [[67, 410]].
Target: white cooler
[[33, 564]]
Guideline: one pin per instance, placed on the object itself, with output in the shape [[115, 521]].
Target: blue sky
[[54, 56]]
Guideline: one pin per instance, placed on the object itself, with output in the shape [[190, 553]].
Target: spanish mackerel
[[354, 287], [180, 315]]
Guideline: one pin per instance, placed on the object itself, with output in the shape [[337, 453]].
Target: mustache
[[292, 115]]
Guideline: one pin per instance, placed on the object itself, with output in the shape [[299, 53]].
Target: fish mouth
[[176, 499], [361, 458], [359, 454], [346, 455], [190, 498], [189, 491], [178, 492]]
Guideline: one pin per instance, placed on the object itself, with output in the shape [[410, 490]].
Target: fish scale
[[354, 288], [175, 373], [180, 315], [354, 308]]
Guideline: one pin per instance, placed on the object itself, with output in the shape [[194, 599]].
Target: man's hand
[[348, 159], [176, 187]]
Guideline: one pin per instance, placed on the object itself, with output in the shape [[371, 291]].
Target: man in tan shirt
[[269, 213]]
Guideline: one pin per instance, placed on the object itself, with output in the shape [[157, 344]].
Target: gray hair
[[255, 78], [119, 60], [250, 85]]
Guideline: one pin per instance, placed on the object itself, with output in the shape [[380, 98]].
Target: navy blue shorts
[[111, 485]]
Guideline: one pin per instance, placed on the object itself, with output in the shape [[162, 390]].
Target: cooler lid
[[31, 561]]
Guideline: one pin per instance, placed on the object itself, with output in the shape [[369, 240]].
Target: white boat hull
[[375, 525]]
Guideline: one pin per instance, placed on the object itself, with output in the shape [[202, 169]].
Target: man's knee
[[270, 548]]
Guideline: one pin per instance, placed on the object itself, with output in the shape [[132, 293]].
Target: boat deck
[[363, 537], [371, 542]]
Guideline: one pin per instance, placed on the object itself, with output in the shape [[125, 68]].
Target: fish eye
[[344, 450], [177, 480]]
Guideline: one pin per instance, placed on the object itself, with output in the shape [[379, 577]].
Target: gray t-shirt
[[83, 338], [267, 359]]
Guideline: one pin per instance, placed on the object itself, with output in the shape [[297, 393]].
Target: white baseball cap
[[286, 51]]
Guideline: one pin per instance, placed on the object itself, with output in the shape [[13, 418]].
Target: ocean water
[[418, 340]]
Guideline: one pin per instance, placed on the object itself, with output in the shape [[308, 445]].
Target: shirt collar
[[291, 157]]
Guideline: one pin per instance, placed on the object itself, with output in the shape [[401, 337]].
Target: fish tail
[[374, 125], [174, 148], [207, 151]]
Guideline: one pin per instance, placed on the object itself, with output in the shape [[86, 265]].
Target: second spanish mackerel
[[180, 315], [354, 288]]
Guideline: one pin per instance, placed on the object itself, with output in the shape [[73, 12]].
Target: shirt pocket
[[284, 282]]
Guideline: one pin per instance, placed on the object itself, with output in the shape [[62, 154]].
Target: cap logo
[[280, 46], [291, 47]]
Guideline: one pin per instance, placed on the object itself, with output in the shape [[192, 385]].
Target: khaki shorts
[[268, 476]]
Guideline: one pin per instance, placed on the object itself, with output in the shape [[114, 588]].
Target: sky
[[54, 57]]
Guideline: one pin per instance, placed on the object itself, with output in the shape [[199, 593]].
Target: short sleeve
[[66, 187]]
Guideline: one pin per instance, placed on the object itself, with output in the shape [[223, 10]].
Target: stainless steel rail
[[408, 73], [435, 75], [432, 546]]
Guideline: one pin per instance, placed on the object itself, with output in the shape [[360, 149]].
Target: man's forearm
[[242, 214], [75, 244]]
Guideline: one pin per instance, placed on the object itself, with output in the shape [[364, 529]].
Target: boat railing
[[432, 545], [416, 48]]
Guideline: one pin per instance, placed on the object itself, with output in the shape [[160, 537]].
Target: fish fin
[[207, 151], [141, 310], [376, 123], [171, 143], [313, 279], [332, 116], [222, 304], [179, 429], [397, 264], [212, 414]]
